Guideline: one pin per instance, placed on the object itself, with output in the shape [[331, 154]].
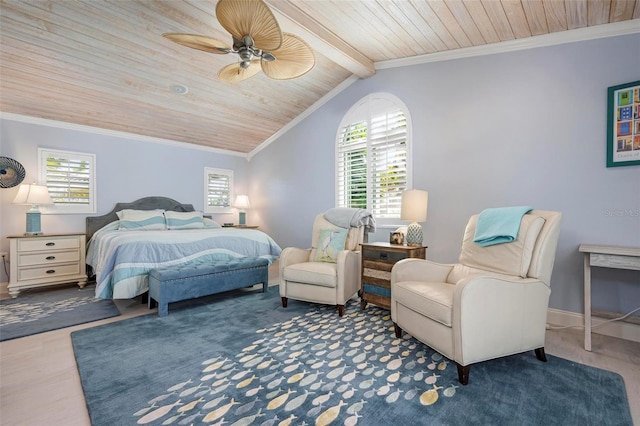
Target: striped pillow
[[141, 220], [184, 220]]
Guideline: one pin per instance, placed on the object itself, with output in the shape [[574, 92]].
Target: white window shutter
[[372, 156], [70, 178], [218, 184]]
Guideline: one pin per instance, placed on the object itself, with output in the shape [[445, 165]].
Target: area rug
[[46, 309], [242, 359]]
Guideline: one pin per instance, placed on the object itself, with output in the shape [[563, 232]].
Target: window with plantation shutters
[[372, 156], [218, 192], [70, 178]]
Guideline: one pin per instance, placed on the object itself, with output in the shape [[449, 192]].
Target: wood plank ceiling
[[104, 63]]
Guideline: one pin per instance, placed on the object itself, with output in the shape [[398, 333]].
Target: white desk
[[603, 257]]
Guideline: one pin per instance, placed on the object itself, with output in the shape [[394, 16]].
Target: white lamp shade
[[414, 205], [242, 202], [33, 194]]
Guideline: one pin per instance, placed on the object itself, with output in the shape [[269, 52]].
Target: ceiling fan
[[257, 40]]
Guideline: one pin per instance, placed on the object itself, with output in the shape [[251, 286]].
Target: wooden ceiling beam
[[321, 39]]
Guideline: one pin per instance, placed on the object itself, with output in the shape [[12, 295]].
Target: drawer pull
[[383, 255], [51, 271], [50, 244], [50, 257]]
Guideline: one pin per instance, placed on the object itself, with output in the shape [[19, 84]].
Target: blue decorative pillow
[[184, 220], [141, 220], [330, 243]]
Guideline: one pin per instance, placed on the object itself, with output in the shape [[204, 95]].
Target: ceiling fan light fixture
[[257, 40]]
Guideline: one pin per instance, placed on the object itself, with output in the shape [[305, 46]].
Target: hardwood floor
[[40, 385]]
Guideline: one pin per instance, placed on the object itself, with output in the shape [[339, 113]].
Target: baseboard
[[619, 329]]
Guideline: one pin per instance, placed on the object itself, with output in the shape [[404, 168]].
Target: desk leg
[[587, 301]]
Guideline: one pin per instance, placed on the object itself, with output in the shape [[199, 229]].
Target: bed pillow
[[141, 220], [330, 243], [210, 223], [184, 220]]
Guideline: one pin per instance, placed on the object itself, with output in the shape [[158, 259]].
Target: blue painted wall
[[526, 127], [520, 128], [126, 169]]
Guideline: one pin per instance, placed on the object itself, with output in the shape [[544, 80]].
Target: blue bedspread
[[122, 260]]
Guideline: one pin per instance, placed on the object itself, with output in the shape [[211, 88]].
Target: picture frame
[[396, 238], [623, 125]]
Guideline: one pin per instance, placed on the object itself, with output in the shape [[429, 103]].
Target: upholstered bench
[[192, 280]]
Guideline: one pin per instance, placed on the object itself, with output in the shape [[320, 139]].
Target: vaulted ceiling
[[104, 63]]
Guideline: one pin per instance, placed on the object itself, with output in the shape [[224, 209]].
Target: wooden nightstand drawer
[[52, 271], [377, 262], [33, 259], [48, 244], [383, 255]]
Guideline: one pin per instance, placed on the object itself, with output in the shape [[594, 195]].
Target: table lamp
[[241, 203], [414, 208], [35, 195]]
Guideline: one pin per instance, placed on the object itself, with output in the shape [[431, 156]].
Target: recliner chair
[[492, 304], [318, 274]]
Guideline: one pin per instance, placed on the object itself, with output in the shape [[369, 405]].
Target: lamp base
[[33, 223], [414, 234], [242, 218]]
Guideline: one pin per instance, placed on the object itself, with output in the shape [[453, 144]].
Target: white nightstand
[[46, 259]]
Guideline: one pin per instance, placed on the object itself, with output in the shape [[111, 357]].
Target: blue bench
[[192, 280]]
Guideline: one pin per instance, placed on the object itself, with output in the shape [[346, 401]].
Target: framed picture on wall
[[623, 125]]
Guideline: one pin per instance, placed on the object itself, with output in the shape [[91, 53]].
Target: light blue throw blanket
[[499, 225], [345, 217]]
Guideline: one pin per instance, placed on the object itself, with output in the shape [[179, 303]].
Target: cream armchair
[[302, 277], [491, 304]]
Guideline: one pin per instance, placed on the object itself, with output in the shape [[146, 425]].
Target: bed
[[121, 259]]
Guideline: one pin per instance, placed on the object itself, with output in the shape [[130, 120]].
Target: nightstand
[[241, 226], [46, 259], [377, 261]]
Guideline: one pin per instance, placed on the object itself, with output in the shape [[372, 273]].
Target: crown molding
[[114, 133], [570, 36], [562, 37]]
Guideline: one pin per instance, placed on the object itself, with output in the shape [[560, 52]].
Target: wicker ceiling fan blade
[[199, 42], [233, 73], [250, 17], [294, 59]]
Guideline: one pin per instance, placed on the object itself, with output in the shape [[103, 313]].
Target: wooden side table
[[46, 259], [377, 261]]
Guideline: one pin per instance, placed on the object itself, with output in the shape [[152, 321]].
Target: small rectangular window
[[218, 190], [70, 178]]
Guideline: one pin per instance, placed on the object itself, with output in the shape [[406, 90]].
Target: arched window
[[373, 148]]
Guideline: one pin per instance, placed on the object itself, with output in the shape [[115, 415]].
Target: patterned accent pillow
[[184, 220], [141, 220], [330, 243]]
